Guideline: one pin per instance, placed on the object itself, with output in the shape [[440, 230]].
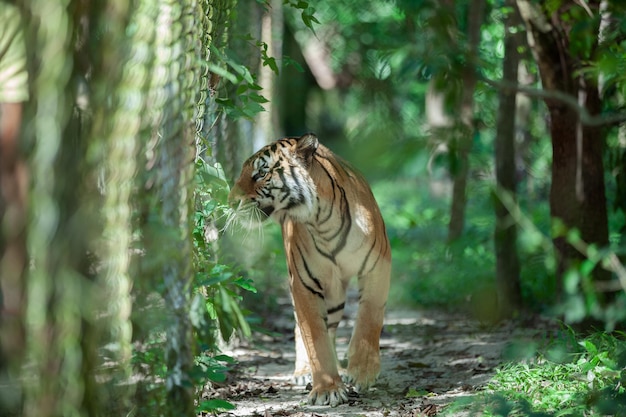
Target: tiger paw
[[363, 369], [362, 379], [332, 395], [301, 378]]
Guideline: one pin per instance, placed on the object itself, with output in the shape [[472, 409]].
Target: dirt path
[[429, 360]]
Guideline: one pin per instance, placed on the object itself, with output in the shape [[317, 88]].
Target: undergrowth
[[571, 377]]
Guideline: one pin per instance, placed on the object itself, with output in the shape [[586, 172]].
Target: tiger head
[[275, 182]]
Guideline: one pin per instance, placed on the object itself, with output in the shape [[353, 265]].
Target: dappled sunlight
[[430, 360]]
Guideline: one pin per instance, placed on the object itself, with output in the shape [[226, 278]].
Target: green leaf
[[288, 61], [214, 404], [246, 284], [222, 72], [243, 325], [558, 228], [214, 280], [226, 102], [257, 98], [241, 70], [224, 358], [571, 279], [242, 89], [213, 176], [573, 236], [308, 19], [413, 393], [587, 267], [211, 310], [271, 62], [216, 374], [251, 109], [589, 346]]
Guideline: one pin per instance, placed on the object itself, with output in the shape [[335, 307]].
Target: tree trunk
[[465, 135], [577, 193], [266, 129], [505, 236]]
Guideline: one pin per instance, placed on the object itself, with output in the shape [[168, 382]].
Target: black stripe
[[330, 211], [330, 256], [319, 294], [294, 202], [284, 188], [367, 257], [335, 309], [332, 325], [340, 165], [342, 214], [347, 220], [292, 171], [308, 271]]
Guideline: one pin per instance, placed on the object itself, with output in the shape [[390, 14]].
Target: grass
[[572, 377]]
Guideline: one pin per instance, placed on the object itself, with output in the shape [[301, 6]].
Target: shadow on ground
[[432, 362]]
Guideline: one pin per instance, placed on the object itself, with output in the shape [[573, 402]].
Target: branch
[[609, 260], [567, 99]]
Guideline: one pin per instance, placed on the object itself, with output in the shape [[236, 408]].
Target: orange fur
[[332, 230]]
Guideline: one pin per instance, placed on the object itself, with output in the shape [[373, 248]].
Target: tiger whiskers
[[246, 217]]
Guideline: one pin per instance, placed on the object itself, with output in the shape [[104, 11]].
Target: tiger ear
[[306, 147]]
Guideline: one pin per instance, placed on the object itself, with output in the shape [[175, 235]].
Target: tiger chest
[[324, 253]]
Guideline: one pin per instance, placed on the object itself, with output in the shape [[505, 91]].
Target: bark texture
[[577, 193]]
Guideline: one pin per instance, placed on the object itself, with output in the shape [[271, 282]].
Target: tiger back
[[332, 231]]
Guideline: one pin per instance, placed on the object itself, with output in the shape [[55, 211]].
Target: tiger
[[332, 230]]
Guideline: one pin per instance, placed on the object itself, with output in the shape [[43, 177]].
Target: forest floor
[[430, 361]]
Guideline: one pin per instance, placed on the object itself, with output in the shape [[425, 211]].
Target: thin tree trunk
[[505, 236], [466, 134], [265, 129]]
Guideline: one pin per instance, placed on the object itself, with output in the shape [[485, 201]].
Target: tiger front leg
[[364, 350], [327, 386], [302, 372]]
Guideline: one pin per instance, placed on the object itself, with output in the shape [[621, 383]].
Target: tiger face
[[274, 182]]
